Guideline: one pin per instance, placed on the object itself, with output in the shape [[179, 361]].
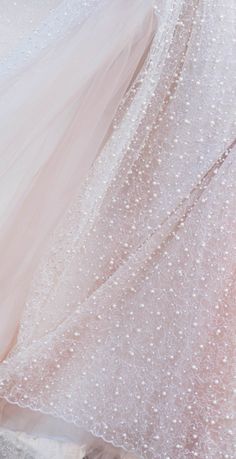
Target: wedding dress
[[118, 229]]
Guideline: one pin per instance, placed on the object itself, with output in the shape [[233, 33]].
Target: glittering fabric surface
[[123, 267]]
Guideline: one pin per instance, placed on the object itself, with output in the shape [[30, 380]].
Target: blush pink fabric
[[117, 217]]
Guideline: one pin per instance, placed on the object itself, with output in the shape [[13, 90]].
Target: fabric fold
[[62, 109]]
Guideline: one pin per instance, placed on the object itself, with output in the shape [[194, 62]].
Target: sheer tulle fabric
[[118, 171], [60, 122]]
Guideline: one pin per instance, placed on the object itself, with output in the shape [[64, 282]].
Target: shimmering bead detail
[[129, 326]]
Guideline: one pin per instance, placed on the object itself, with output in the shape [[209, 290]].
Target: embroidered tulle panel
[[127, 281]]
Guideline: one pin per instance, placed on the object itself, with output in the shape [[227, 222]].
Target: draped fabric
[[118, 223]]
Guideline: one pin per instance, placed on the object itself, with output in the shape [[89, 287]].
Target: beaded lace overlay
[[128, 329]]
